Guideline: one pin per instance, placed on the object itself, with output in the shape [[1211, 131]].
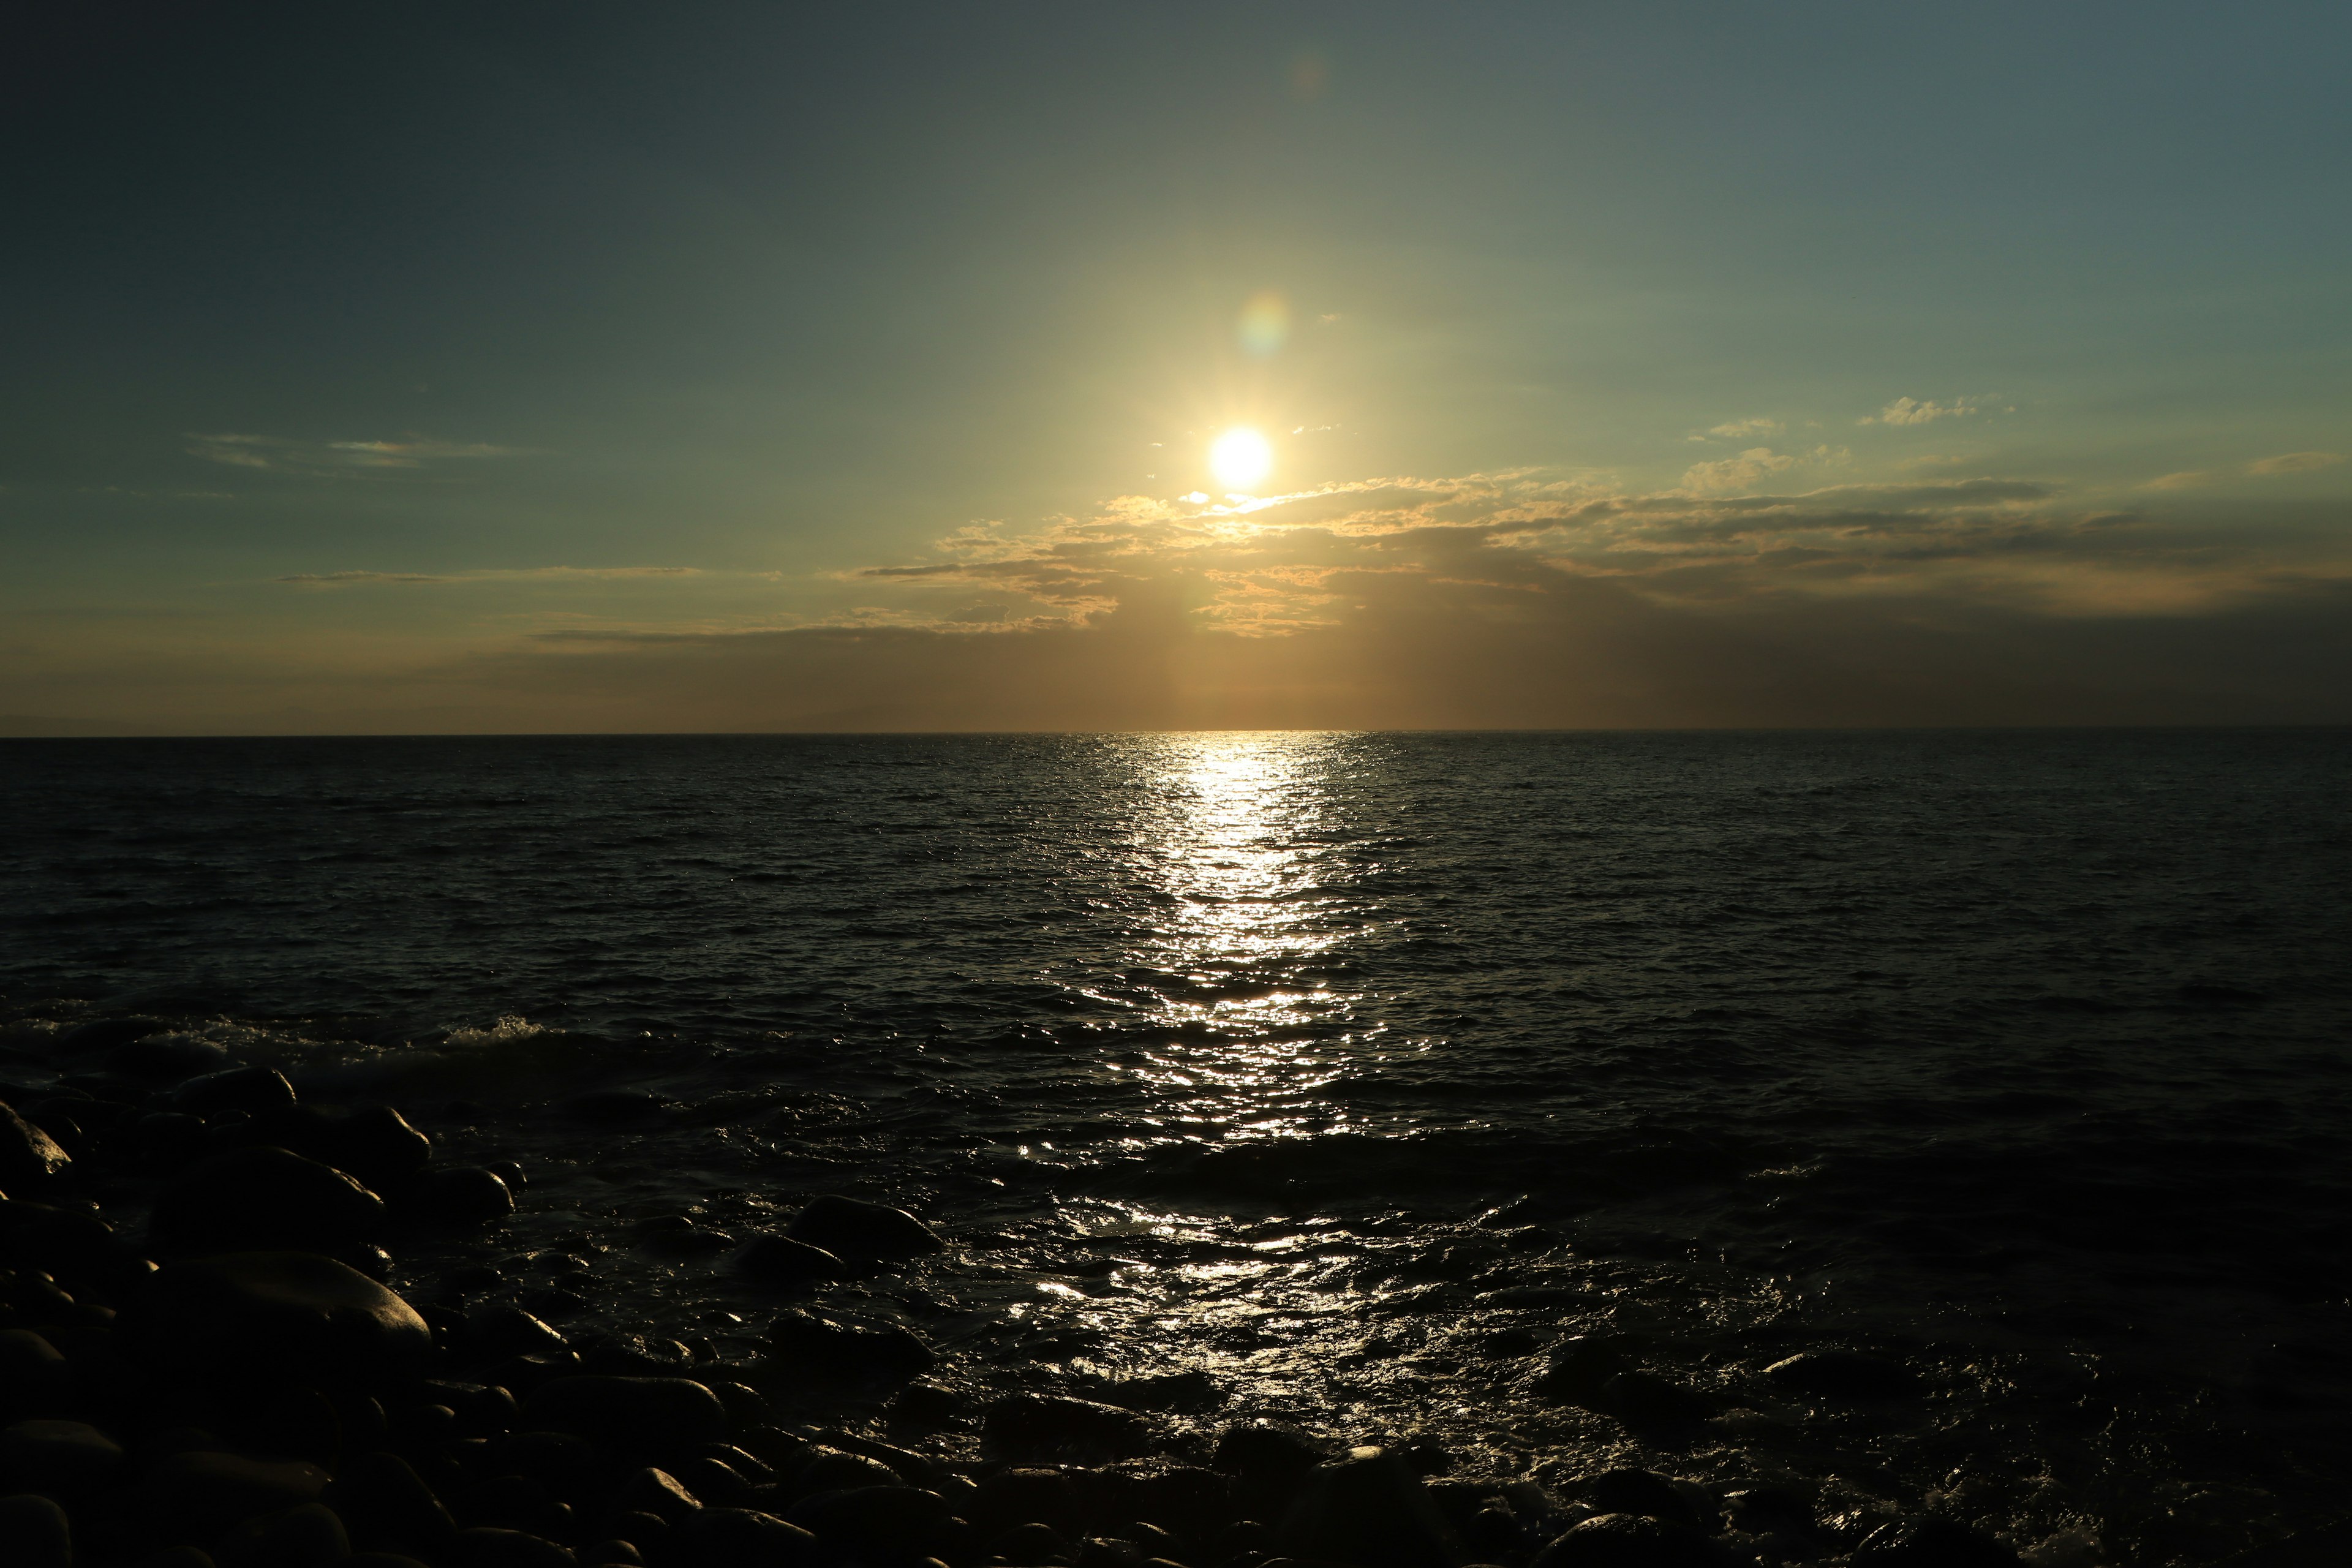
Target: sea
[[1359, 1072]]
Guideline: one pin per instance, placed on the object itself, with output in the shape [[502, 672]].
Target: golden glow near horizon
[[1241, 458]]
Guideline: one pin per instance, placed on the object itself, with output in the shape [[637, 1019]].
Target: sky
[[520, 367]]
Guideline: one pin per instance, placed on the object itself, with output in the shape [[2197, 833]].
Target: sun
[[1240, 458]]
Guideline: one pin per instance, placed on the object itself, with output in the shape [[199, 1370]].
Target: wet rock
[[1645, 1401], [30, 1158], [35, 1379], [34, 1534], [870, 1524], [925, 1405], [862, 1232], [743, 1538], [1030, 1544], [833, 1469], [567, 1466], [310, 1536], [1646, 1493], [374, 1143], [462, 1197], [196, 1557], [485, 1547], [274, 1318], [1019, 1497], [203, 1493], [388, 1507], [514, 1502], [74, 1245], [1046, 1423], [60, 1457], [103, 1034], [1843, 1375], [1370, 1509], [1932, 1541], [650, 1418], [781, 1260], [265, 1199], [159, 1141], [617, 1552], [1578, 1367], [1762, 1510], [167, 1058], [714, 1480], [1630, 1541], [249, 1090], [1194, 1502], [496, 1332], [615, 1106], [848, 1350], [1187, 1393], [659, 1493], [1268, 1457]]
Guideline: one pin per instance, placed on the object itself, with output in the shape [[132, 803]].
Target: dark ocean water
[[2023, 1057]]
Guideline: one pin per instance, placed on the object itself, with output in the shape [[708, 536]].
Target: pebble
[[862, 1232], [273, 1317], [35, 1533], [265, 1199]]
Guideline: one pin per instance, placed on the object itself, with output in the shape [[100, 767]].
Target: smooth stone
[[205, 1493], [862, 1232], [265, 1199], [182, 1556], [73, 1244], [743, 1538], [277, 1317], [30, 1158], [461, 1197], [926, 1404], [1578, 1368], [1630, 1541], [1263, 1454], [1843, 1375], [1370, 1509], [387, 1507], [167, 1058], [654, 1417], [374, 1143], [35, 1377], [1028, 1496], [1644, 1400], [1034, 1544], [374, 1559], [496, 1332], [34, 1534], [516, 1502], [618, 1554], [848, 1350], [102, 1033], [249, 1090], [1187, 1393], [781, 1260], [1644, 1492], [833, 1469], [490, 1548], [56, 1457], [310, 1536], [565, 1465], [869, 1523], [659, 1493], [714, 1480], [1930, 1542], [1040, 1423]]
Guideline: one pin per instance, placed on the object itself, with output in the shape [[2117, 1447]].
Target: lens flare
[[1265, 325], [1240, 458]]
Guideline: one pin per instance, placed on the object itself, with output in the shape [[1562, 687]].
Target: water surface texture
[[1357, 1069]]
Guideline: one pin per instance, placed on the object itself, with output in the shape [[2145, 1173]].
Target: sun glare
[[1240, 458]]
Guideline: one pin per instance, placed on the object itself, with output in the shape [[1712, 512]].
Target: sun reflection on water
[[1238, 968]]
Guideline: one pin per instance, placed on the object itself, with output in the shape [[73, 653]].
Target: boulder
[[374, 1143], [1630, 1541], [1843, 1375], [649, 1418], [743, 1538], [30, 1158], [261, 1199], [844, 1350], [862, 1232], [35, 1379], [781, 1260], [488, 1548], [250, 1090], [1370, 1509], [388, 1507], [462, 1197], [1931, 1541], [34, 1534], [60, 1457], [874, 1523], [309, 1536], [202, 1493], [1040, 1425], [273, 1318]]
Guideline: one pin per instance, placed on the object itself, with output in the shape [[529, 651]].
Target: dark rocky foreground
[[230, 1383]]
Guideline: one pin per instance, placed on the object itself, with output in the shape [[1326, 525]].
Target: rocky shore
[[222, 1377]]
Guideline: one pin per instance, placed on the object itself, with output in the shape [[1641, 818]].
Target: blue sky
[[524, 367]]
